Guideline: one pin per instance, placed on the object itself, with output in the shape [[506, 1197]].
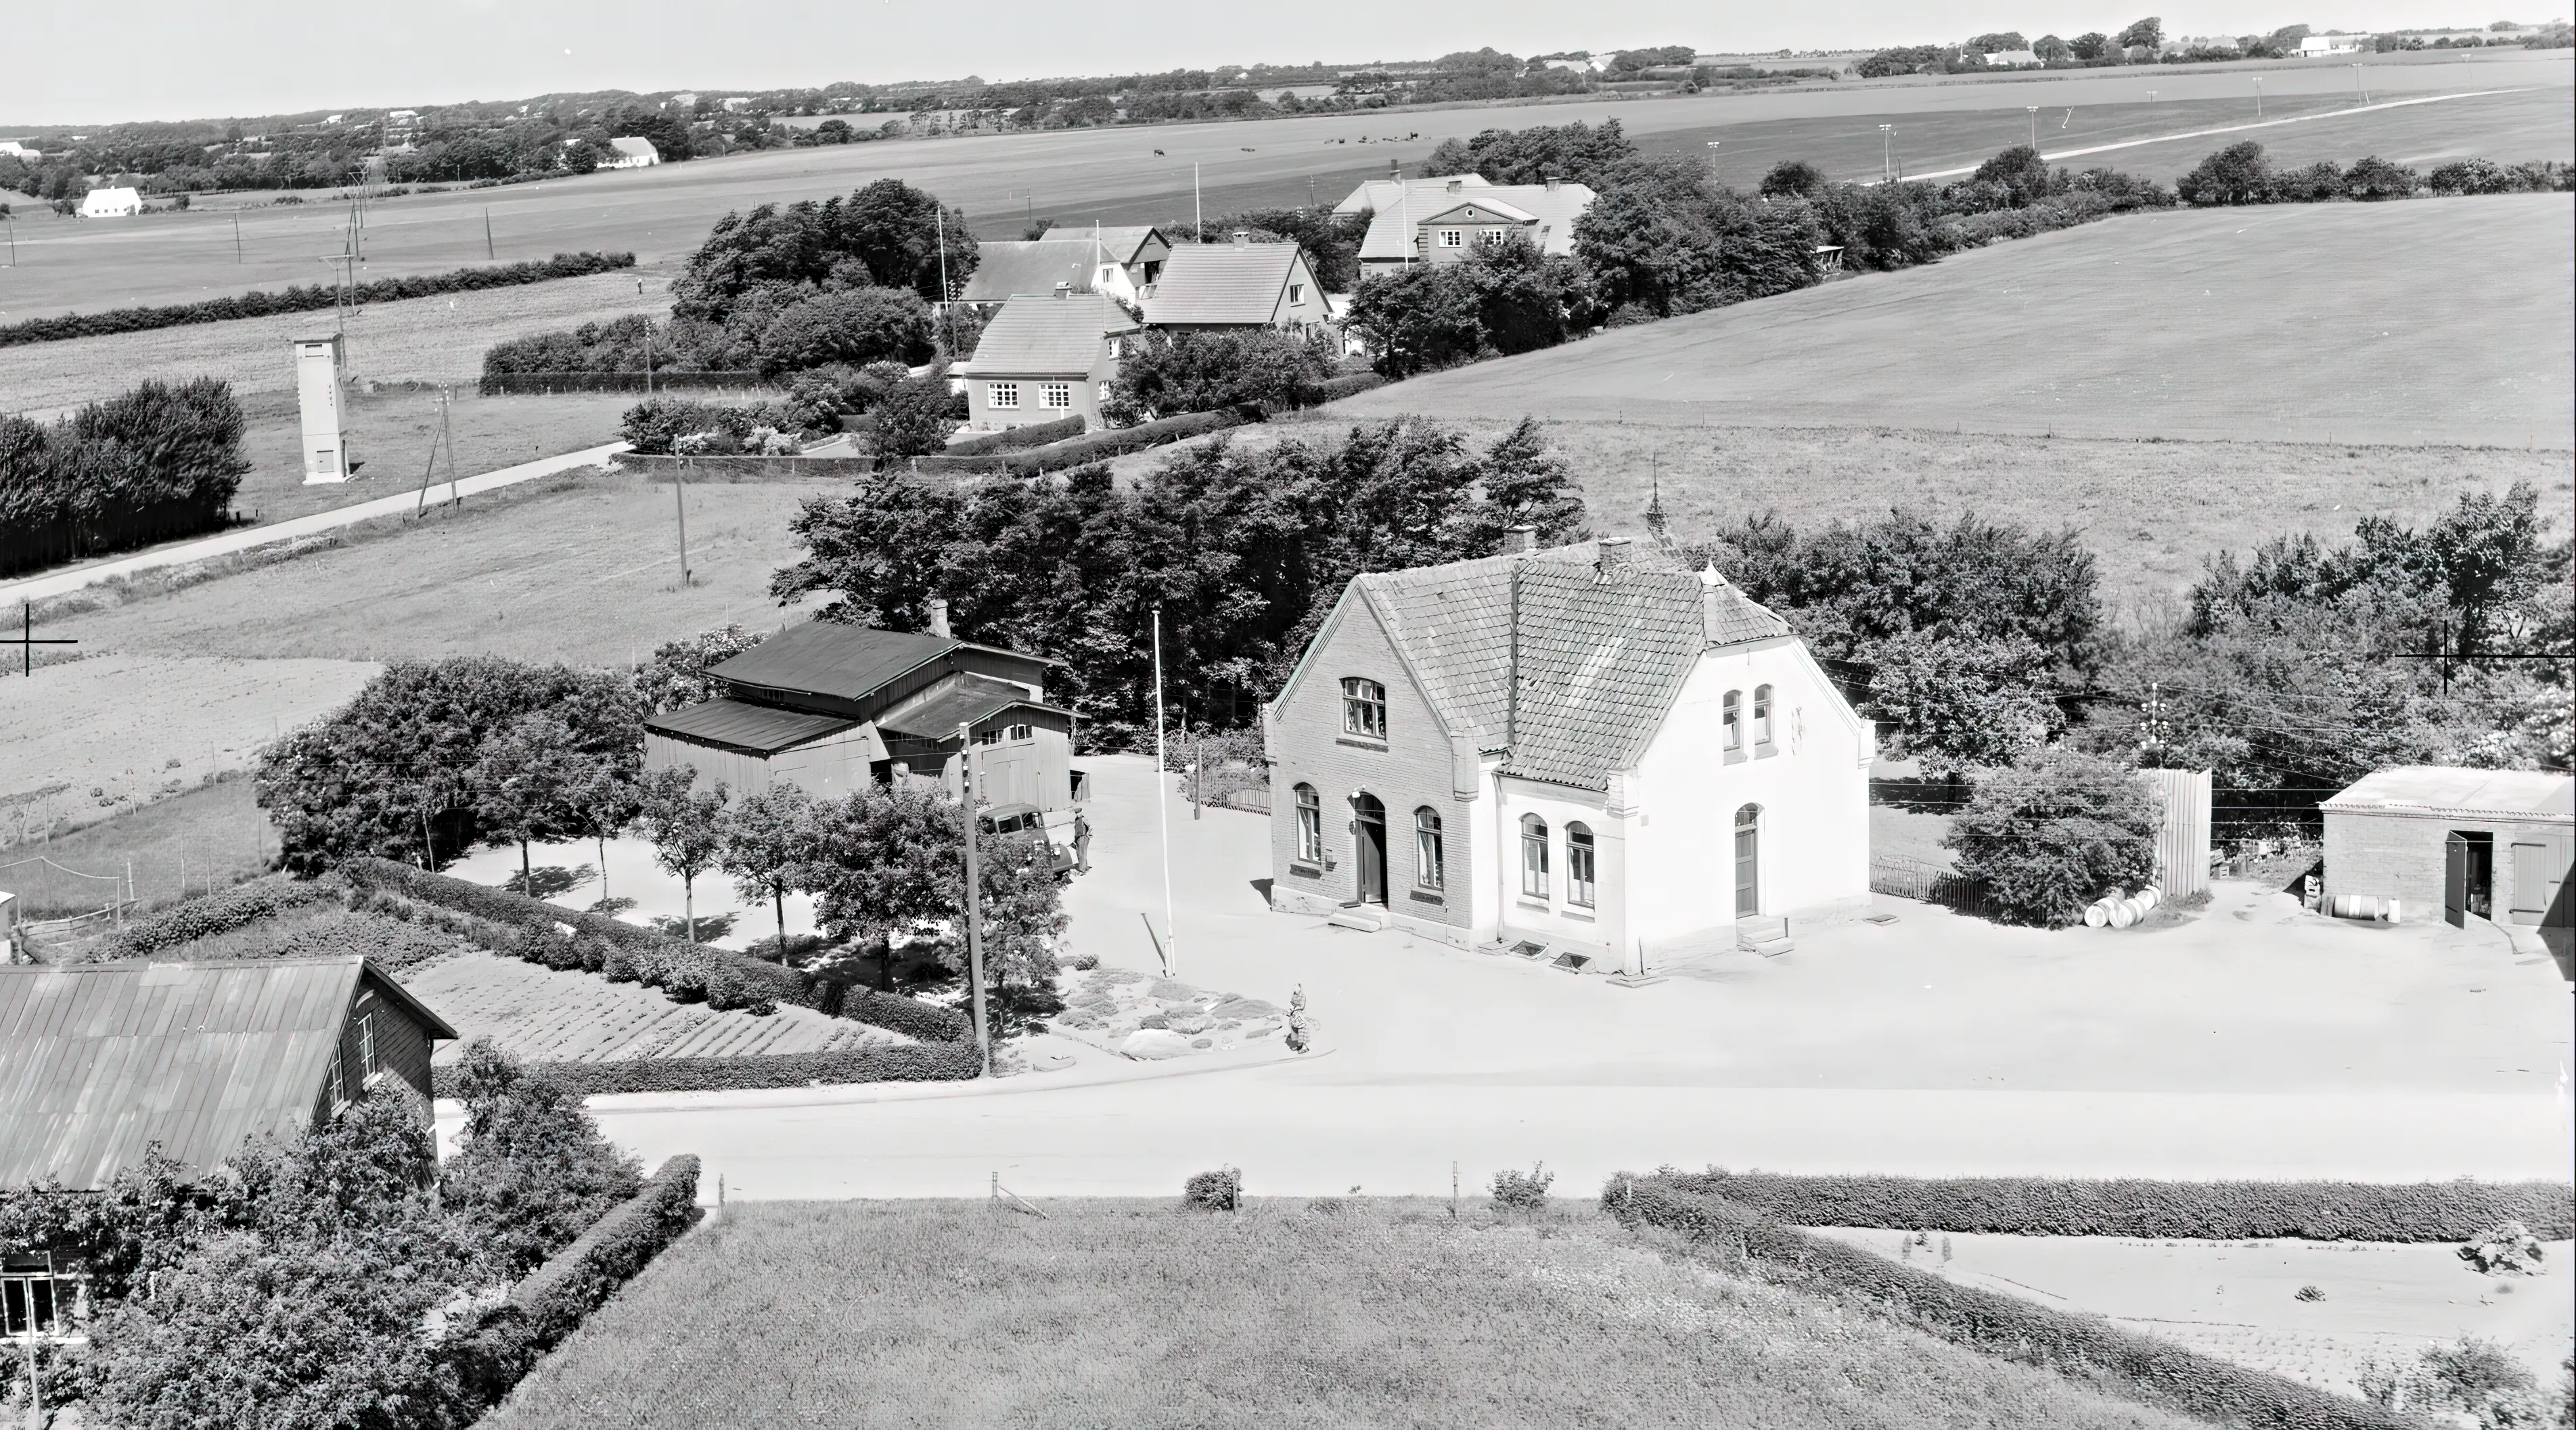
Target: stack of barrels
[[2113, 910]]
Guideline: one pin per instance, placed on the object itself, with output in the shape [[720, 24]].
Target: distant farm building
[[111, 203], [633, 153], [2007, 59], [2334, 44], [1445, 220], [832, 708], [2487, 844], [12, 149], [1043, 358]]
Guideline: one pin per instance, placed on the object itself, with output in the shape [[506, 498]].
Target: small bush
[[2050, 835], [2309, 1293], [2505, 1249], [1217, 1191], [2375, 178], [656, 425], [1518, 1191]]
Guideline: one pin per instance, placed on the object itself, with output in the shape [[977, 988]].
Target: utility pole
[[1163, 808], [13, 239], [1886, 153], [974, 898], [237, 247], [2258, 96], [1198, 214], [947, 300], [1198, 773], [487, 231], [2034, 126], [680, 503], [2356, 84]]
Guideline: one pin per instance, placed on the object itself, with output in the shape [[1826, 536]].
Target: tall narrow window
[[367, 1044], [1578, 866], [1430, 867], [1363, 708], [1533, 856], [1310, 826], [1731, 721], [1761, 715]]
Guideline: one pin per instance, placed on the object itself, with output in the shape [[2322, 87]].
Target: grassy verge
[[1286, 1314], [217, 832]]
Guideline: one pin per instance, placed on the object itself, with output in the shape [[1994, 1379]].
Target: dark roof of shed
[[747, 729], [849, 662], [970, 699], [100, 1061]]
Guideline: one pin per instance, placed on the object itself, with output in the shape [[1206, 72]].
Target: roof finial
[[1656, 525]]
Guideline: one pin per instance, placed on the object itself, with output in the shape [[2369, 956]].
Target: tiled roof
[[1539, 657], [1041, 334], [1382, 195], [1121, 244], [2509, 794], [1553, 210], [1221, 283], [1477, 205], [99, 1061], [1004, 269], [746, 729]]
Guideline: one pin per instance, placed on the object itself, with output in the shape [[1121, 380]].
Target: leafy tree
[[2320, 182], [913, 419], [1793, 179], [2091, 45], [2237, 174], [2019, 173], [885, 861], [1577, 153], [686, 826], [1163, 374], [160, 461], [888, 234], [1420, 318], [670, 136], [1998, 41], [858, 326], [527, 781], [1664, 237], [2148, 33], [2052, 50], [2374, 178], [1023, 927], [676, 673], [768, 841], [2051, 835], [531, 1171], [1963, 705]]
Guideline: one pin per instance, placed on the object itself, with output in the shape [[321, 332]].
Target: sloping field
[[548, 1015], [2447, 321], [1135, 175]]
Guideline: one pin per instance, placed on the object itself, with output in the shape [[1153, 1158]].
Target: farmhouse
[[111, 203], [1139, 250], [632, 153], [1044, 357], [2488, 844], [1447, 223], [1003, 271], [101, 1062], [1241, 284], [831, 707], [1598, 757]]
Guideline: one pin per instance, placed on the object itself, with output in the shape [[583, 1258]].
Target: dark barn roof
[[746, 729], [100, 1061], [844, 662], [969, 699]]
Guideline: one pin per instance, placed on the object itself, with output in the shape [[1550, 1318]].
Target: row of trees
[[2243, 174], [325, 1280], [161, 461], [1241, 548]]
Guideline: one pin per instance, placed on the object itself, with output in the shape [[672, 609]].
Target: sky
[[181, 59]]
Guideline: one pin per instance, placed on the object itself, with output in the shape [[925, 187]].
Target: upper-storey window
[[1761, 715], [1363, 708], [1731, 721]]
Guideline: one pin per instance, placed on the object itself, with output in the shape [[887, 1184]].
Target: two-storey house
[[1575, 752]]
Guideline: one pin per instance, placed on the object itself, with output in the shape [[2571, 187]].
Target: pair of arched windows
[[1731, 719], [1430, 848], [1581, 869]]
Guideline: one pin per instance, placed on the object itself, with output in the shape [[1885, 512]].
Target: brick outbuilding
[[2491, 844]]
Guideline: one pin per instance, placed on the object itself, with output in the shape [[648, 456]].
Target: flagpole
[[1163, 808]]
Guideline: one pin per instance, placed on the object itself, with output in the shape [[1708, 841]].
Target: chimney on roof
[[1712, 589], [1457, 186], [1061, 289], [1612, 560], [939, 618], [1520, 540], [1242, 237], [1552, 182]]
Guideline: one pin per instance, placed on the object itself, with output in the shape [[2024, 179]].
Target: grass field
[[2443, 321], [212, 836], [1139, 1316], [1144, 174]]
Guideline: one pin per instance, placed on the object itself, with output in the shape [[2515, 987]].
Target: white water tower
[[318, 386]]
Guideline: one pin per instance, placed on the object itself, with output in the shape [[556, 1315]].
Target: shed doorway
[[2468, 877], [1368, 823], [1748, 861]]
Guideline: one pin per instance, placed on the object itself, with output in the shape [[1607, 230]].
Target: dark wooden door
[[2455, 881], [1371, 827]]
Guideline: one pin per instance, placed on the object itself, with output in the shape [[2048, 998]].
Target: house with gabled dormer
[[1587, 754]]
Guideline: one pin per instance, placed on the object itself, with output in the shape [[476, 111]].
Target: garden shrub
[[159, 462], [656, 425], [221, 912], [1100, 446], [1165, 374], [312, 298], [1217, 1191], [2136, 1207], [2052, 834], [858, 326], [394, 944], [2081, 1347], [902, 1062], [530, 1167], [1518, 1191], [1035, 434], [2376, 178]]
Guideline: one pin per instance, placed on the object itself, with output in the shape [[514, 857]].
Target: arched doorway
[[1748, 861], [1368, 825]]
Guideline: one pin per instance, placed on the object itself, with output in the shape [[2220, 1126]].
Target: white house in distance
[[2334, 44], [1443, 220], [1240, 284], [111, 203], [633, 152], [1043, 358], [1579, 754]]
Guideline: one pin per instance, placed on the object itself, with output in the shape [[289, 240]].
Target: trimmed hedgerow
[[211, 914], [1034, 434], [1349, 384], [2217, 1211], [909, 1016], [2080, 1347], [1096, 446], [309, 299], [551, 1301], [907, 1062]]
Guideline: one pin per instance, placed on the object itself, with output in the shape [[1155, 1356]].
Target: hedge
[[2215, 1211], [904, 1062], [1349, 384], [211, 914], [1096, 446], [157, 463], [2083, 1348], [1035, 434], [308, 299], [688, 972], [495, 384], [551, 1301]]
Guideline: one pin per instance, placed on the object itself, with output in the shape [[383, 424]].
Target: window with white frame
[[1001, 394], [1453, 238], [1055, 394], [367, 1044], [1296, 293], [1761, 715], [1533, 856], [35, 1299], [1730, 720], [1363, 708], [1310, 825], [1430, 862], [1578, 866]]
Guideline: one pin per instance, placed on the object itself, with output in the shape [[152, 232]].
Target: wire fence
[[54, 888]]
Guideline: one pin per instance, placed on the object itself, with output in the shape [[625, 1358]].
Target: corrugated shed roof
[[746, 729], [1225, 283], [971, 699], [2506, 794], [1004, 269], [100, 1061], [826, 658], [1039, 334]]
